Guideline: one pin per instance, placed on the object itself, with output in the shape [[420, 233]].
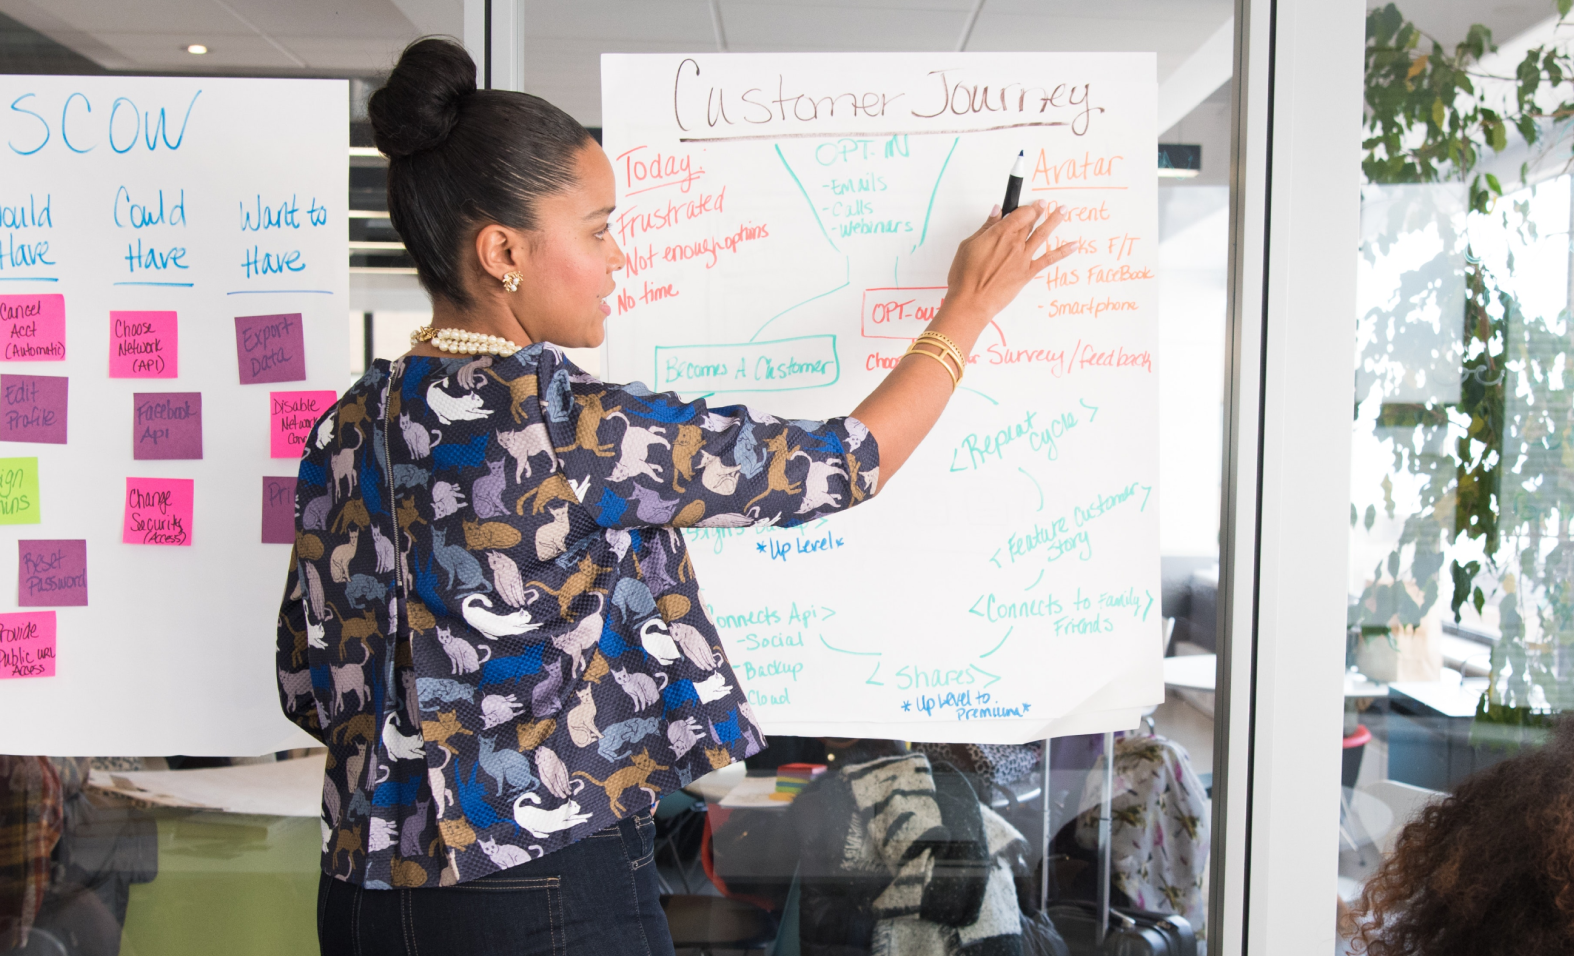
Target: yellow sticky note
[[19, 491]]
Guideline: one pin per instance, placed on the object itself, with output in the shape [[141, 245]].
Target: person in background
[[32, 815], [492, 621], [1487, 870]]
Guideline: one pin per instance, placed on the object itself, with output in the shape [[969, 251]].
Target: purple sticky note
[[33, 408], [166, 425], [278, 510], [270, 348], [51, 574]]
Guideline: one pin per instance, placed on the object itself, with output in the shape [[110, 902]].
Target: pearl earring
[[511, 281]]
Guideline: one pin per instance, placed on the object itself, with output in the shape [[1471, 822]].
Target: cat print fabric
[[491, 619]]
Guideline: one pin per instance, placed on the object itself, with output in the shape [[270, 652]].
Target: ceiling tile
[[617, 21], [167, 51], [333, 19]]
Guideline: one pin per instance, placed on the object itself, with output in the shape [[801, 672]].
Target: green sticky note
[[19, 491]]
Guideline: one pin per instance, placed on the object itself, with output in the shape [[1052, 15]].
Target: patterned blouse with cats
[[491, 622]]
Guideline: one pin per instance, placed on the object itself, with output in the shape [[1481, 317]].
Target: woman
[[1487, 870], [491, 611]]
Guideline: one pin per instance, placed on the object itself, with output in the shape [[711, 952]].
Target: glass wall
[[1461, 614], [172, 854]]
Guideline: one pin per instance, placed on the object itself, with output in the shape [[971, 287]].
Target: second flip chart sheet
[[789, 221], [173, 293]]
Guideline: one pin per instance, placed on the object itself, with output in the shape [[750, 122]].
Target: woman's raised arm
[[991, 267]]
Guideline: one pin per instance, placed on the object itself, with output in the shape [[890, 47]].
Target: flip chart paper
[[228, 201], [270, 348], [34, 408], [158, 511], [166, 425], [278, 510], [789, 222], [33, 327], [27, 644], [144, 345], [52, 573], [292, 415], [19, 502]]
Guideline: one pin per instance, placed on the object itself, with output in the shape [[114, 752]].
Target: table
[[1191, 671], [1197, 672]]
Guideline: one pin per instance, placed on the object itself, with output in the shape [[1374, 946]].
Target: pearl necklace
[[461, 342]]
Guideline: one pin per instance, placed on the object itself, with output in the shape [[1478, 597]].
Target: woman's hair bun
[[419, 105]]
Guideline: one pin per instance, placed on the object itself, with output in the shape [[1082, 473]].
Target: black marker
[[1013, 187]]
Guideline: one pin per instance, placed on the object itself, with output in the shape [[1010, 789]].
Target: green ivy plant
[[1506, 480]]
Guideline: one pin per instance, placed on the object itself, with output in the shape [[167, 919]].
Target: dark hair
[[459, 157], [1489, 869]]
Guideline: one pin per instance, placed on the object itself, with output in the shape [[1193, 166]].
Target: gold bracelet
[[948, 345], [940, 354], [943, 352], [953, 375]]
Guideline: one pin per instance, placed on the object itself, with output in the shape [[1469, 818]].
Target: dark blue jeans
[[597, 897]]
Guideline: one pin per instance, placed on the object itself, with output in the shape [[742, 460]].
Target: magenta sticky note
[[270, 348], [27, 644], [33, 328], [166, 425], [143, 345], [51, 573], [291, 418], [278, 510], [33, 408], [158, 511]]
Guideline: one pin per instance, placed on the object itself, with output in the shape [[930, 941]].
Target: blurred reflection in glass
[[66, 863]]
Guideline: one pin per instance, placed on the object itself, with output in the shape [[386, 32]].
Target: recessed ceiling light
[[196, 49]]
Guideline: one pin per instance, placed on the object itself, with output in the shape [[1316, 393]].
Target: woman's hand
[[991, 267], [989, 271], [993, 264]]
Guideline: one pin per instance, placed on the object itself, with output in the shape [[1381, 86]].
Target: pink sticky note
[[33, 328], [166, 425], [143, 345], [51, 573], [278, 510], [33, 408], [158, 511], [293, 414], [27, 644], [270, 348]]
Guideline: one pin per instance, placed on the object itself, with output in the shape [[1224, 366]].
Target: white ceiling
[[564, 41], [1447, 21], [319, 37], [565, 38]]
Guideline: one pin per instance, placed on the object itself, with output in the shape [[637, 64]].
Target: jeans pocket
[[643, 848], [498, 914]]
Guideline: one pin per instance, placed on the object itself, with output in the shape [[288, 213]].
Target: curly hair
[[1489, 869]]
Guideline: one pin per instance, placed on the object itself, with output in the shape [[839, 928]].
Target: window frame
[[1284, 522]]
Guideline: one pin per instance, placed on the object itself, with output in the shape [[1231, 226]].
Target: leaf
[[1439, 113], [1477, 41], [1564, 6], [1526, 125], [1492, 182], [1371, 516], [1497, 138], [1417, 66]]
